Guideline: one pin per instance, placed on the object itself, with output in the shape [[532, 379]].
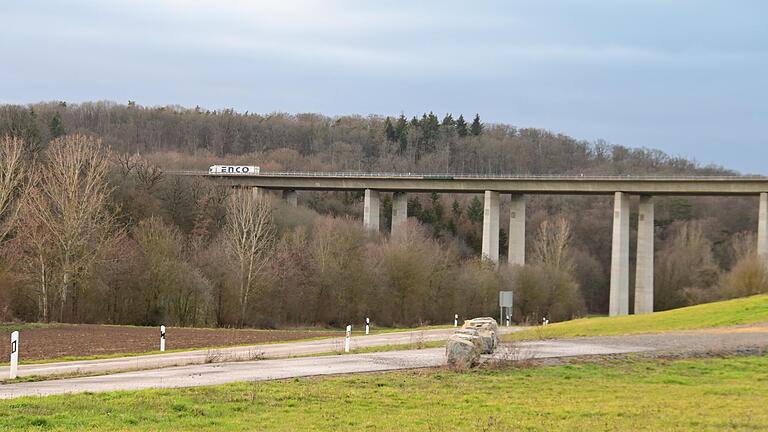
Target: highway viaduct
[[493, 187]]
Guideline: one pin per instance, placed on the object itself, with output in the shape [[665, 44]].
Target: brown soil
[[90, 339]]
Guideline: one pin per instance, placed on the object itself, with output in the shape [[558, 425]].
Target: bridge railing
[[448, 176]]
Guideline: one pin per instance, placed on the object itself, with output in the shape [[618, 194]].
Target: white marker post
[[162, 338], [507, 320], [346, 339], [367, 325], [456, 320], [14, 354]]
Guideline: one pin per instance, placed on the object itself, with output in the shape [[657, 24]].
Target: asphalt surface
[[241, 353], [222, 373], [736, 340]]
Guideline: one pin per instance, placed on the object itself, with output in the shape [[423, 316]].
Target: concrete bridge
[[493, 187]]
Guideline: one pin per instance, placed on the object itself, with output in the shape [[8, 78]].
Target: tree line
[[92, 230]]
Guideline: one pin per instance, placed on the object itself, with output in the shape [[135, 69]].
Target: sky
[[689, 77]]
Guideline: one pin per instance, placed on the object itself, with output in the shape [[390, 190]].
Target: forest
[[93, 230]]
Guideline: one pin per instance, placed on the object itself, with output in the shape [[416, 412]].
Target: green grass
[[10, 327], [747, 310], [701, 395]]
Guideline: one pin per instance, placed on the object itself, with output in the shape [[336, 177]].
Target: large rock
[[462, 352], [487, 329], [471, 335]]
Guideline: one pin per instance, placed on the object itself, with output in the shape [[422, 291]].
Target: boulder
[[473, 337], [487, 329], [462, 352]]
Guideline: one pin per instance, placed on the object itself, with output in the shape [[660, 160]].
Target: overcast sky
[[687, 77]]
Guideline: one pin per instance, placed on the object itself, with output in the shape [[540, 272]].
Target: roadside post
[[346, 339], [162, 338], [367, 325], [14, 354], [455, 320]]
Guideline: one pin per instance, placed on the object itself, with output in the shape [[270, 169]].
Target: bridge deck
[[450, 183]]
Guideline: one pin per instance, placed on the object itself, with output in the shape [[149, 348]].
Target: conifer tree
[[56, 126], [389, 131], [475, 210], [461, 126], [401, 133], [448, 120], [477, 128]]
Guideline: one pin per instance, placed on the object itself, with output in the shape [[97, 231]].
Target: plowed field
[[89, 339]]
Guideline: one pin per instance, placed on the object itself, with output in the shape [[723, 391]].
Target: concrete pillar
[[371, 210], [762, 229], [516, 251], [644, 270], [399, 211], [256, 192], [491, 226], [619, 297], [291, 197]]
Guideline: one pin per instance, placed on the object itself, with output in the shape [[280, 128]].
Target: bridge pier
[[399, 211], [619, 295], [516, 249], [762, 229], [371, 210], [644, 269], [291, 197], [491, 226]]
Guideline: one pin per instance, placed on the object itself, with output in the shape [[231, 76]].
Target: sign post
[[367, 325], [162, 338], [346, 339], [505, 305], [14, 354]]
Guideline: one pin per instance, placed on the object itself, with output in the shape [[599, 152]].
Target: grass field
[[704, 394], [747, 310]]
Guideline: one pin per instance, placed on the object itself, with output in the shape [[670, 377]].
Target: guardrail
[[459, 176]]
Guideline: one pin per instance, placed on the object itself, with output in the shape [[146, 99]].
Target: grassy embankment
[[704, 394], [741, 311]]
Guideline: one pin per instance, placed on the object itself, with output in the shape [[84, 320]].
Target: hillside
[[740, 311]]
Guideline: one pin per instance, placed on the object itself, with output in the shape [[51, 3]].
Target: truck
[[233, 169]]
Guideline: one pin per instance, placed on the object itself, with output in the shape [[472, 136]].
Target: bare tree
[[552, 244], [70, 203], [13, 181], [249, 235]]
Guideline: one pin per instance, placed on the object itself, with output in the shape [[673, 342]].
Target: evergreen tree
[[389, 131], [461, 127], [477, 128], [430, 130], [456, 209], [475, 210], [448, 120], [56, 126], [401, 133]]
